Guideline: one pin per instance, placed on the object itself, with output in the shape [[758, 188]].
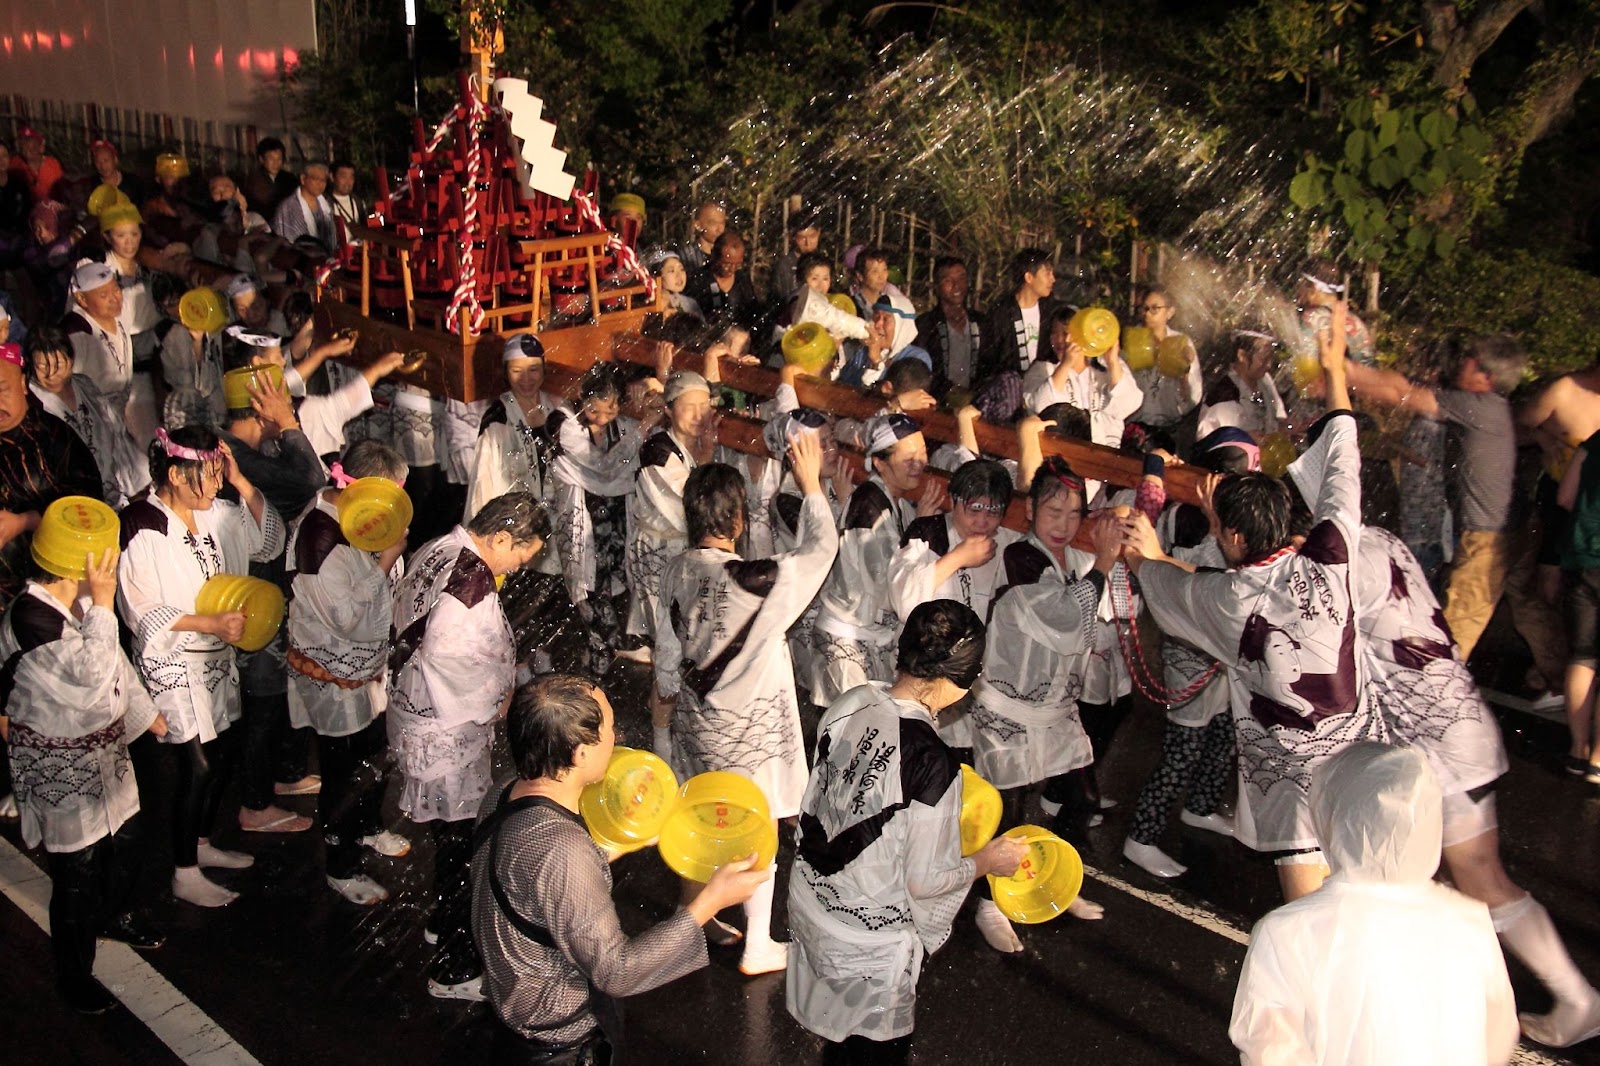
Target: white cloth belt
[[835, 627], [1029, 714]]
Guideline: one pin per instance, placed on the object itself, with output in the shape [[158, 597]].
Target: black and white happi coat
[[720, 652], [857, 627], [451, 665], [191, 676], [74, 701], [514, 456], [124, 471], [878, 874], [1424, 691], [585, 468], [1185, 534], [911, 575], [1025, 723], [340, 614], [1285, 629], [658, 530]]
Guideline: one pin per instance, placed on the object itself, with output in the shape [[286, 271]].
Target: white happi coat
[[191, 676], [1025, 724], [340, 613], [1090, 389], [453, 662], [74, 702], [720, 650], [192, 370], [1166, 400], [1257, 410], [124, 472], [657, 529], [583, 466], [1284, 627], [878, 875], [413, 426], [911, 584], [1182, 664], [458, 424], [784, 512], [856, 626], [513, 456], [1424, 691]]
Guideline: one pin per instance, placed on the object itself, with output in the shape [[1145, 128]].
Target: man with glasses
[[1166, 398]]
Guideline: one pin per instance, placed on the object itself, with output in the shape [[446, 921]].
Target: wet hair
[[237, 354], [373, 458], [804, 220], [1054, 477], [316, 164], [689, 332], [1143, 438], [342, 164], [942, 639], [1499, 356], [1257, 507], [728, 238], [1144, 292], [1027, 261], [189, 471], [1225, 459], [1301, 518], [1061, 316], [599, 382], [981, 479], [866, 255], [270, 144], [43, 339], [1244, 340], [297, 310], [908, 375], [1071, 423], [550, 718], [713, 501], [809, 262], [947, 262], [517, 513]]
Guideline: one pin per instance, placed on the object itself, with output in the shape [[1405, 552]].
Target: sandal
[[287, 822]]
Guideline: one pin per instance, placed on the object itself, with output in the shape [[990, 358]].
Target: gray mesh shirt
[[558, 879]]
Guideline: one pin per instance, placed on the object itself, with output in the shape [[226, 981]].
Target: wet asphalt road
[[296, 975]]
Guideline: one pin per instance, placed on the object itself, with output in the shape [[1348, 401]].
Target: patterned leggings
[[1195, 760]]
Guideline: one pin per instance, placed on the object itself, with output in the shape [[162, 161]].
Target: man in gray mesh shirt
[[556, 961]]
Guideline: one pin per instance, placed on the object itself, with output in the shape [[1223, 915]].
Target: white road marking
[[166, 1012], [1206, 919]]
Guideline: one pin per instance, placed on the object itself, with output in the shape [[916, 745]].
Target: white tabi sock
[[661, 741], [1527, 932], [758, 912]]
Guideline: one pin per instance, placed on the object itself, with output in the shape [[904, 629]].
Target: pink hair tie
[[11, 353], [178, 451], [340, 478], [1251, 450]]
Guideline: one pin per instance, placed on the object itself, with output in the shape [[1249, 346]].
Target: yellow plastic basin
[[808, 346], [719, 817], [374, 513], [71, 529], [201, 310], [1138, 348], [980, 810], [261, 602], [1046, 882], [1094, 329], [1172, 356], [625, 809]]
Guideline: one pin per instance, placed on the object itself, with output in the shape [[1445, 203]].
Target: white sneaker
[[390, 845], [360, 890], [996, 928], [1220, 824], [1152, 860], [1096, 820], [763, 958], [641, 654]]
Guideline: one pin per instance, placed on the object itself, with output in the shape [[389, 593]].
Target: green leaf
[[1304, 190], [1346, 187], [1428, 182], [1389, 129], [1386, 171], [1431, 128], [1417, 237], [1355, 147], [1445, 242], [1409, 150], [1474, 140]]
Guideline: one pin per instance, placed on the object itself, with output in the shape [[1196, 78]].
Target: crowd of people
[[1311, 661]]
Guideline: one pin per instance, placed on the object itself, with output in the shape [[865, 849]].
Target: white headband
[[1323, 286]]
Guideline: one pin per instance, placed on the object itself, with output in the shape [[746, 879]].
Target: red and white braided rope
[[466, 294], [627, 258], [1144, 679]]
